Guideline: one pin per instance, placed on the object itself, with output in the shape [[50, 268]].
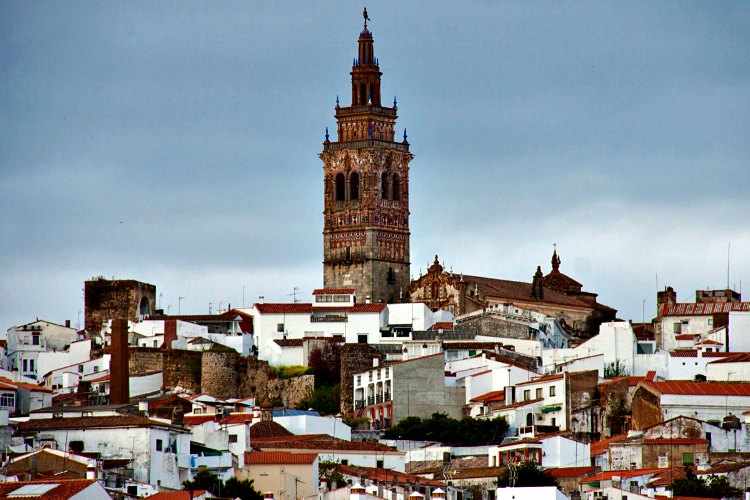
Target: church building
[[556, 294], [366, 190]]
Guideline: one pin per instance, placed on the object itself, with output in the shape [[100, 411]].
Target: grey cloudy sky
[[176, 143]]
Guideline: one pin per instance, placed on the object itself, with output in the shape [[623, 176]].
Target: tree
[[441, 428], [527, 474], [712, 487], [232, 488], [325, 399], [327, 471]]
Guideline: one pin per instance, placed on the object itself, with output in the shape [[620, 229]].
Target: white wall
[[686, 368], [733, 372], [739, 331], [313, 424], [559, 451], [145, 384], [696, 325], [616, 341], [78, 352]]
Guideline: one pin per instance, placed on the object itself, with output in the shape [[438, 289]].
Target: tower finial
[[367, 18], [555, 258], [337, 102], [405, 136], [327, 137]]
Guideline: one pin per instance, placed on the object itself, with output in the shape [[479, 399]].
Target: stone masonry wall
[[493, 326]]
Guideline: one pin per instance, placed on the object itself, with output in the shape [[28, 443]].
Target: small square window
[[158, 445], [233, 438], [80, 368], [280, 327]]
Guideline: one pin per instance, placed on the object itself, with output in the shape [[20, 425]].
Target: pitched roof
[[386, 475], [268, 429], [600, 447], [691, 388], [318, 442], [278, 458], [518, 290], [176, 495], [543, 378], [702, 308], [565, 472], [231, 419], [738, 357], [518, 404], [686, 336], [442, 325], [607, 475], [14, 384], [489, 397], [108, 422], [47, 488], [286, 308], [692, 353]]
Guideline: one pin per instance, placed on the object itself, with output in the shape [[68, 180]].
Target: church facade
[[366, 191], [554, 294]]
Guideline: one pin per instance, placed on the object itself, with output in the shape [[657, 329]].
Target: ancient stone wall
[[493, 326], [219, 375], [354, 358], [107, 299]]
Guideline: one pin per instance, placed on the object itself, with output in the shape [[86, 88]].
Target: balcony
[[359, 404], [387, 396], [378, 398], [371, 400]]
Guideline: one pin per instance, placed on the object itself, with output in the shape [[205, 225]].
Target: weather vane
[[364, 14]]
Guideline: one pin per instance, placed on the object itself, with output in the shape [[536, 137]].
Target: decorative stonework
[[366, 192]]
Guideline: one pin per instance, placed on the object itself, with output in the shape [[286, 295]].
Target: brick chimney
[[170, 333], [119, 392]]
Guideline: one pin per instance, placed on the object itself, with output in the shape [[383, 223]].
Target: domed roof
[[268, 428]]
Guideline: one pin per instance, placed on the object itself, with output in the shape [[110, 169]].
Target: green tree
[[527, 474], [439, 427], [711, 487], [325, 399], [232, 488]]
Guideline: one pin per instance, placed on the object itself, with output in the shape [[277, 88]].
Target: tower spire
[[555, 258]]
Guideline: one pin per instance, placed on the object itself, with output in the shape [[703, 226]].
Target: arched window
[[362, 93], [144, 308], [340, 187], [529, 419], [354, 186], [396, 193], [384, 186]]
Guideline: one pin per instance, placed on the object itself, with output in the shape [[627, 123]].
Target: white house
[[732, 367], [616, 343], [65, 379], [160, 451], [26, 342]]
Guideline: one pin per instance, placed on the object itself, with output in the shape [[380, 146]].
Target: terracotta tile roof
[[710, 342], [329, 291], [476, 472], [686, 336], [278, 458], [520, 441], [544, 378], [65, 488], [176, 495], [442, 325], [600, 447], [738, 357], [109, 422], [690, 388], [23, 385], [231, 419], [489, 397], [387, 476], [268, 429], [518, 290], [518, 404], [318, 442], [692, 353], [566, 472], [702, 308], [643, 331], [675, 441], [286, 308], [607, 475]]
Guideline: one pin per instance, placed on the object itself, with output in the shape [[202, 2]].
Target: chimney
[[67, 323], [375, 362], [170, 333], [119, 392]]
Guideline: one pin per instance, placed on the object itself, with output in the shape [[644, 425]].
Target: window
[[379, 464], [396, 192], [197, 411], [354, 186], [362, 338], [156, 343], [31, 365], [96, 368], [539, 393], [554, 422], [8, 400], [359, 379], [35, 339], [384, 186], [340, 187], [158, 445], [527, 394], [677, 327], [710, 322], [280, 327], [233, 438], [101, 388], [386, 371], [345, 462], [80, 368], [472, 353], [391, 278], [551, 390], [25, 365], [687, 459]]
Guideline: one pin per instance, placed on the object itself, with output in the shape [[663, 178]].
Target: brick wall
[[354, 358]]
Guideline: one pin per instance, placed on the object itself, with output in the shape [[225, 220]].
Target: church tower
[[366, 191]]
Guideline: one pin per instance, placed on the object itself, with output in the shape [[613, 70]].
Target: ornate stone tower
[[366, 186]]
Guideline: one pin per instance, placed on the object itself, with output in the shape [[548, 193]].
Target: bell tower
[[366, 190]]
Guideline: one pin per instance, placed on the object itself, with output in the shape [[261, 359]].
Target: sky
[[176, 143]]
